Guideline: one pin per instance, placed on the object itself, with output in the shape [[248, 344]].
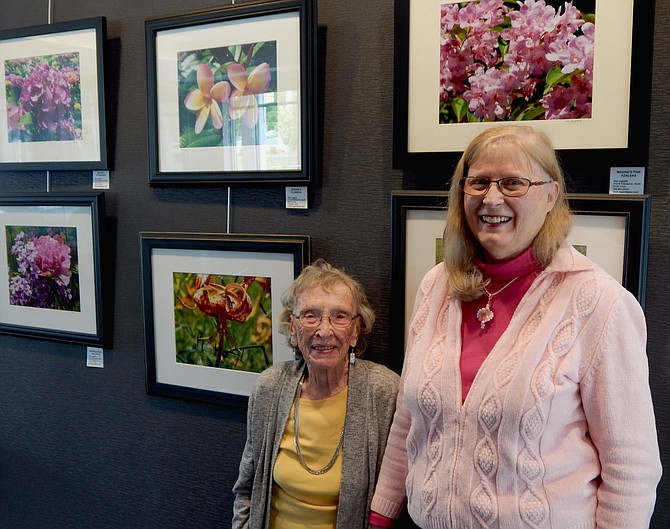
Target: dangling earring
[[296, 353], [352, 356]]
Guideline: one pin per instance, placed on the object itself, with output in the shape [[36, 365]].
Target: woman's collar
[[521, 265]]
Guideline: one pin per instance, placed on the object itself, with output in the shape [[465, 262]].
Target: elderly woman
[[524, 399], [317, 426]]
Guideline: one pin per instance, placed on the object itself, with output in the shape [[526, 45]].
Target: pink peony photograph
[[43, 267]]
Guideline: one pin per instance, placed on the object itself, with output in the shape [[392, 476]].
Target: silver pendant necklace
[[338, 448], [485, 314]]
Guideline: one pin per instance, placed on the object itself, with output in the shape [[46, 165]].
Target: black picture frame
[[630, 213], [78, 141], [279, 147], [53, 289], [183, 360], [582, 157]]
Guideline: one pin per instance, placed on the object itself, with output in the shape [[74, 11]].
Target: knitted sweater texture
[[370, 406], [557, 430]]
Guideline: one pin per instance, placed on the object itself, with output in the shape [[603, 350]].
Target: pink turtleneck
[[478, 342]]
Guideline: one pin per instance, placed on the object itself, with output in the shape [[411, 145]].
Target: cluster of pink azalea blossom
[[503, 63]]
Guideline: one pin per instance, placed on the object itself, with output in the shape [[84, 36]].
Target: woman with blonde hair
[[524, 398]]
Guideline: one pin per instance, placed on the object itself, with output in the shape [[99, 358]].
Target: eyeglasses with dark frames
[[339, 320], [510, 186]]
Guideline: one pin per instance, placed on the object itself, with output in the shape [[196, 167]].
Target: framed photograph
[[211, 306], [583, 81], [51, 267], [612, 230], [52, 109], [232, 95]]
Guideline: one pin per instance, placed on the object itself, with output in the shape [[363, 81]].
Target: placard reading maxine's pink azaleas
[[509, 61]]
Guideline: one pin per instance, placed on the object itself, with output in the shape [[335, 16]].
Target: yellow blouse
[[300, 499]]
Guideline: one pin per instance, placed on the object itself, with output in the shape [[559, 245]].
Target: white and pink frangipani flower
[[204, 99], [242, 102]]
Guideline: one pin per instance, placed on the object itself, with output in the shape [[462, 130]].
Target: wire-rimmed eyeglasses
[[510, 186], [338, 319]]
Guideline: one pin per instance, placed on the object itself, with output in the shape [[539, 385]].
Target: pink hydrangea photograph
[[516, 61], [44, 98]]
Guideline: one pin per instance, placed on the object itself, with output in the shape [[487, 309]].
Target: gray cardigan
[[371, 404]]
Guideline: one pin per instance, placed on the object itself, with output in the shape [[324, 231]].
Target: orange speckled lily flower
[[204, 99], [243, 99]]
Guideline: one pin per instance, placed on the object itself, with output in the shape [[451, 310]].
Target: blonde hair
[[323, 275], [530, 147]]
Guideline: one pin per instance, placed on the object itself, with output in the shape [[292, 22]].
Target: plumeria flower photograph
[[516, 60], [206, 98], [43, 98], [43, 267], [243, 103], [221, 95]]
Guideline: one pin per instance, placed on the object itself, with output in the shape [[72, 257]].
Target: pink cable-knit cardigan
[[557, 430]]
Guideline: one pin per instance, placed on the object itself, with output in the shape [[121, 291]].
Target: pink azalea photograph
[[516, 61]]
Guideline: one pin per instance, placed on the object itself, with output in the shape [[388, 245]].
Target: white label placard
[[627, 180], [94, 357], [296, 197]]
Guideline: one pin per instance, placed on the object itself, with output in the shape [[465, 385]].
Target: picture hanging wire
[[228, 205], [228, 213], [49, 12]]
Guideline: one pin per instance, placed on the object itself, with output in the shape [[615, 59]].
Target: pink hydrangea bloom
[[46, 95]]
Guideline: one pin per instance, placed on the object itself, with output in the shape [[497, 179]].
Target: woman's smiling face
[[325, 347], [506, 226]]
